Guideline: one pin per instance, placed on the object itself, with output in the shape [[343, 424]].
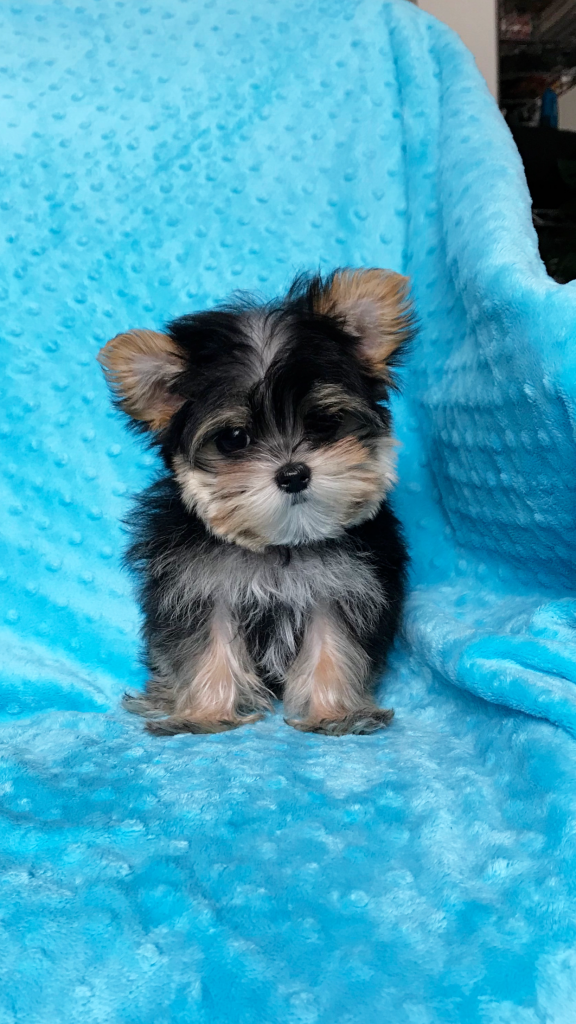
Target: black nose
[[293, 477]]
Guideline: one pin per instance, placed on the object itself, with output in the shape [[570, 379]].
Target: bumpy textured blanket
[[155, 156]]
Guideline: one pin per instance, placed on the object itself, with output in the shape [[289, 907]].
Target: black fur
[[266, 363], [161, 525]]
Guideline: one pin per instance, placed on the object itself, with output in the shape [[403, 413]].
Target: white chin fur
[[260, 515]]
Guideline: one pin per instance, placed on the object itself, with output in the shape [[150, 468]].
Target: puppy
[[269, 561]]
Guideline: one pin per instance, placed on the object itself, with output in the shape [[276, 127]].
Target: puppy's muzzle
[[293, 477]]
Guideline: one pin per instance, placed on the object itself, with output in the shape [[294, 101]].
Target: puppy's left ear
[[375, 305]]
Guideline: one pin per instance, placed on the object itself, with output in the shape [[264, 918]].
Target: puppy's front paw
[[364, 721], [172, 726]]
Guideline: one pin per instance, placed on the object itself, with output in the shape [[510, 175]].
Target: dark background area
[[537, 40]]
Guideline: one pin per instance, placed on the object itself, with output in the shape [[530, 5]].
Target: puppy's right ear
[[141, 368]]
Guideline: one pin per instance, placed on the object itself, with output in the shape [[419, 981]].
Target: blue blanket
[[154, 157]]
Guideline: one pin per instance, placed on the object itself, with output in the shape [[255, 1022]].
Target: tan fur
[[139, 366], [327, 680], [332, 398], [241, 501], [356, 476], [222, 682], [224, 499], [375, 305]]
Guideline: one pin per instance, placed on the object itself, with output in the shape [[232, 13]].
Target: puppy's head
[[271, 416]]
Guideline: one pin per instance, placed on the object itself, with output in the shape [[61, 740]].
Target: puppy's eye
[[322, 424], [232, 439]]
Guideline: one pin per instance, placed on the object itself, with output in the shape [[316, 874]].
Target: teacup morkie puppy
[[270, 563]]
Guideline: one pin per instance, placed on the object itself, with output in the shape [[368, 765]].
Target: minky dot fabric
[[155, 156]]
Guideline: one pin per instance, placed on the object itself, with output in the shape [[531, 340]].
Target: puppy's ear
[[140, 368], [374, 305]]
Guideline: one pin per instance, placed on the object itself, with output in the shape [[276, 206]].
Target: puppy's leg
[[327, 685], [210, 686]]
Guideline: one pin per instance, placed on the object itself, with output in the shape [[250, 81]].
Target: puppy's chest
[[272, 614], [296, 581], [284, 598], [281, 597], [273, 596]]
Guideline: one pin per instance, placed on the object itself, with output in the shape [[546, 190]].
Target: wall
[[476, 23], [567, 111]]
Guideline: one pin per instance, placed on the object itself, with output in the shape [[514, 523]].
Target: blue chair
[[154, 158]]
